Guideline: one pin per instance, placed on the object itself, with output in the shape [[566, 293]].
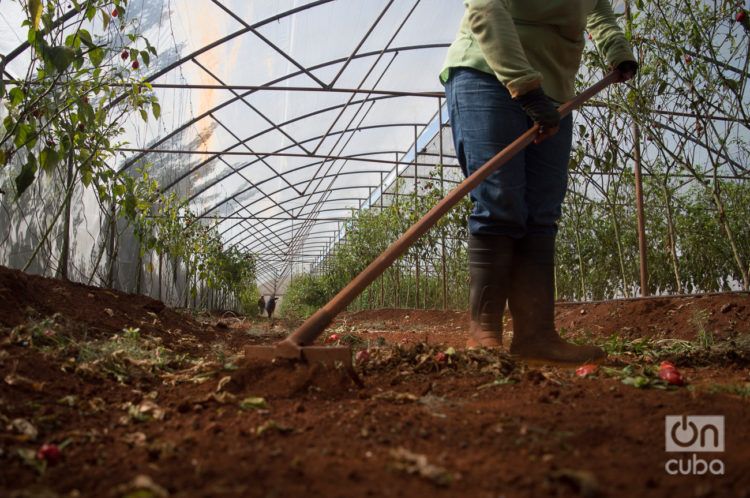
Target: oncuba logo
[[696, 434]]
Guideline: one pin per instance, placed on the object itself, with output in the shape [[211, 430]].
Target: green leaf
[[16, 96], [85, 37], [24, 132], [60, 57], [119, 189], [87, 176], [156, 109], [35, 12], [27, 175], [48, 159], [146, 58], [732, 84], [144, 114], [96, 56]]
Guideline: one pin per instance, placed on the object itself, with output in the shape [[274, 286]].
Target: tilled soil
[[174, 409]]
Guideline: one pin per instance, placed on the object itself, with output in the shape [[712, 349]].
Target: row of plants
[[683, 120], [597, 252], [440, 256], [61, 129], [165, 227]]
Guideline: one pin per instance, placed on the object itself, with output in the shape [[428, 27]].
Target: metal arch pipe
[[278, 221], [274, 225], [262, 182], [219, 180], [314, 89], [200, 165], [128, 163], [336, 188], [315, 237], [309, 219], [283, 231], [269, 43], [230, 37], [253, 108], [272, 218]]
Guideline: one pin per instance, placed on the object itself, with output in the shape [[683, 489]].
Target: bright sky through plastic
[[276, 169]]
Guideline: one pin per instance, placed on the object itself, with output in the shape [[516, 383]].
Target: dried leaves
[[418, 464], [422, 358]]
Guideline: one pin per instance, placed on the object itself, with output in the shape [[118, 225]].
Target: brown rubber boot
[[532, 305], [490, 259]]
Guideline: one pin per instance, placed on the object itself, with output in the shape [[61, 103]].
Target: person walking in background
[[261, 305], [512, 63], [271, 306]]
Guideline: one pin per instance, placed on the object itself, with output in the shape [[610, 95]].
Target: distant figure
[[271, 306], [261, 305]]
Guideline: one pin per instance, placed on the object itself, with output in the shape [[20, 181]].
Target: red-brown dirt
[[185, 418]]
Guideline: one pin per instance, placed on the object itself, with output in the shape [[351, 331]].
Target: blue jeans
[[523, 197]]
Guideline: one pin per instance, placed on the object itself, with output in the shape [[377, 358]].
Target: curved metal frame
[[317, 195]]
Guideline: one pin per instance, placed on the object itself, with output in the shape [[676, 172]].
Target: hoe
[[298, 346]]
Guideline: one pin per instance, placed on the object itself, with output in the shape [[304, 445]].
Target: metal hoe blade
[[338, 356]]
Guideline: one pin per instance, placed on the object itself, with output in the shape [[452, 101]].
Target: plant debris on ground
[[131, 409]]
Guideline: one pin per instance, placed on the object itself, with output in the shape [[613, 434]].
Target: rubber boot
[[490, 260], [532, 305]]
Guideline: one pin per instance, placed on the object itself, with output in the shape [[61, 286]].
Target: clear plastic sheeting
[[280, 117]]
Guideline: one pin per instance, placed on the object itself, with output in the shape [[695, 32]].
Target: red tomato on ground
[[671, 376], [362, 356], [50, 453], [586, 370]]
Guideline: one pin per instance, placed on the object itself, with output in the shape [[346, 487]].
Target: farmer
[[261, 305], [271, 306], [512, 63]]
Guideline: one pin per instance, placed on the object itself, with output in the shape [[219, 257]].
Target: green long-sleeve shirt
[[525, 43]]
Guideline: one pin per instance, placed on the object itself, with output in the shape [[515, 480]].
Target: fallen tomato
[[441, 357], [50, 453], [671, 376], [362, 356], [667, 365], [586, 370], [333, 338]]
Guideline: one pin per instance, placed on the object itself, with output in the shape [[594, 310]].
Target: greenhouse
[[238, 254]]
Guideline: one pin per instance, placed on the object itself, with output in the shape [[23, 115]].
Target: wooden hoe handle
[[315, 324]]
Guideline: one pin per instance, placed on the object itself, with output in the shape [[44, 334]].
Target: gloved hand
[[541, 110], [627, 70]]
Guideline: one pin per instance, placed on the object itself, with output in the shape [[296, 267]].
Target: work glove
[[542, 110], [627, 70]]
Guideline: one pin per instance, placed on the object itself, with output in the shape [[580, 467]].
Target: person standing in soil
[[512, 63], [261, 305], [271, 306]]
